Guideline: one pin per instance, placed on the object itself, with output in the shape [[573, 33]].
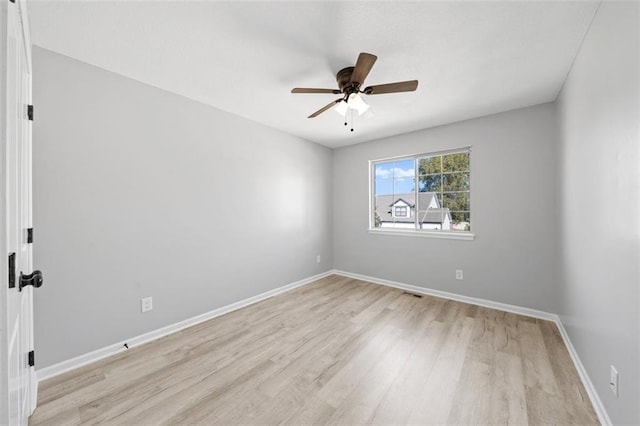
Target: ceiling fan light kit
[[350, 80], [341, 108], [354, 102]]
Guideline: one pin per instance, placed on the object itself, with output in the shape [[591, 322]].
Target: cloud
[[384, 173], [395, 172], [398, 172]]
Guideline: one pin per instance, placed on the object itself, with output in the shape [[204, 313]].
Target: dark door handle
[[34, 279]]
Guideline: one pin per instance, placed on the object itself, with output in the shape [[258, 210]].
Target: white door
[[18, 378]]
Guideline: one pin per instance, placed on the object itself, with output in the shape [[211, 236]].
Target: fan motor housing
[[344, 80]]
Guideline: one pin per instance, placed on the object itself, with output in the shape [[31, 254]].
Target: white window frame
[[429, 233]]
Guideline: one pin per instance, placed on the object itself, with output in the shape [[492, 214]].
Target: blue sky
[[394, 177]]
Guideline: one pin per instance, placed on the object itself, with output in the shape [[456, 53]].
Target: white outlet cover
[[459, 274], [613, 380], [146, 304]]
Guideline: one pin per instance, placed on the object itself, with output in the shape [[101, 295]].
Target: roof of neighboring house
[[384, 205], [411, 203]]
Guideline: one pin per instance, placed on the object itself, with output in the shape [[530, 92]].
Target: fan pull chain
[[352, 120]]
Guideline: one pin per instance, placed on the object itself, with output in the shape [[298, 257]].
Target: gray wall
[[599, 115], [514, 212], [139, 192]]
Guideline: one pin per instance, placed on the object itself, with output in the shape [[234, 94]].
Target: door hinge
[[12, 270], [32, 359], [30, 112], [29, 235]]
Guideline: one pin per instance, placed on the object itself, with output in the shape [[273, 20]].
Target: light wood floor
[[337, 351]]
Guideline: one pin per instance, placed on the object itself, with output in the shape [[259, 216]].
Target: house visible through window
[[422, 192]]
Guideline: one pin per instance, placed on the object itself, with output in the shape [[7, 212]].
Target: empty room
[[320, 212]]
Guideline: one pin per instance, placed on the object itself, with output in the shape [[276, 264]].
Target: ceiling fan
[[351, 79]]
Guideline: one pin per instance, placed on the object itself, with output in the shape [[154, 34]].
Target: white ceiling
[[471, 58]]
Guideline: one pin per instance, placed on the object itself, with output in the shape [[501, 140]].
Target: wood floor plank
[[567, 379], [359, 406], [403, 395], [440, 385], [508, 400], [541, 390], [469, 407], [336, 351]]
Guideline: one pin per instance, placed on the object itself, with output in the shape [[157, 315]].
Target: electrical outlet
[[146, 304], [318, 259], [459, 275], [613, 380]]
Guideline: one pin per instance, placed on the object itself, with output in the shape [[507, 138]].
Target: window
[[422, 192], [401, 211]]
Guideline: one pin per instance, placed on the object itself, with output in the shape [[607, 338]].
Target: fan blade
[[308, 90], [324, 108], [402, 86], [363, 66]]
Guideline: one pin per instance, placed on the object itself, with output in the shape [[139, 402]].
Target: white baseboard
[[601, 412], [453, 296], [586, 381], [88, 358]]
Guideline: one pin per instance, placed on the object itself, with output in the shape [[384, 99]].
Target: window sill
[[426, 234]]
